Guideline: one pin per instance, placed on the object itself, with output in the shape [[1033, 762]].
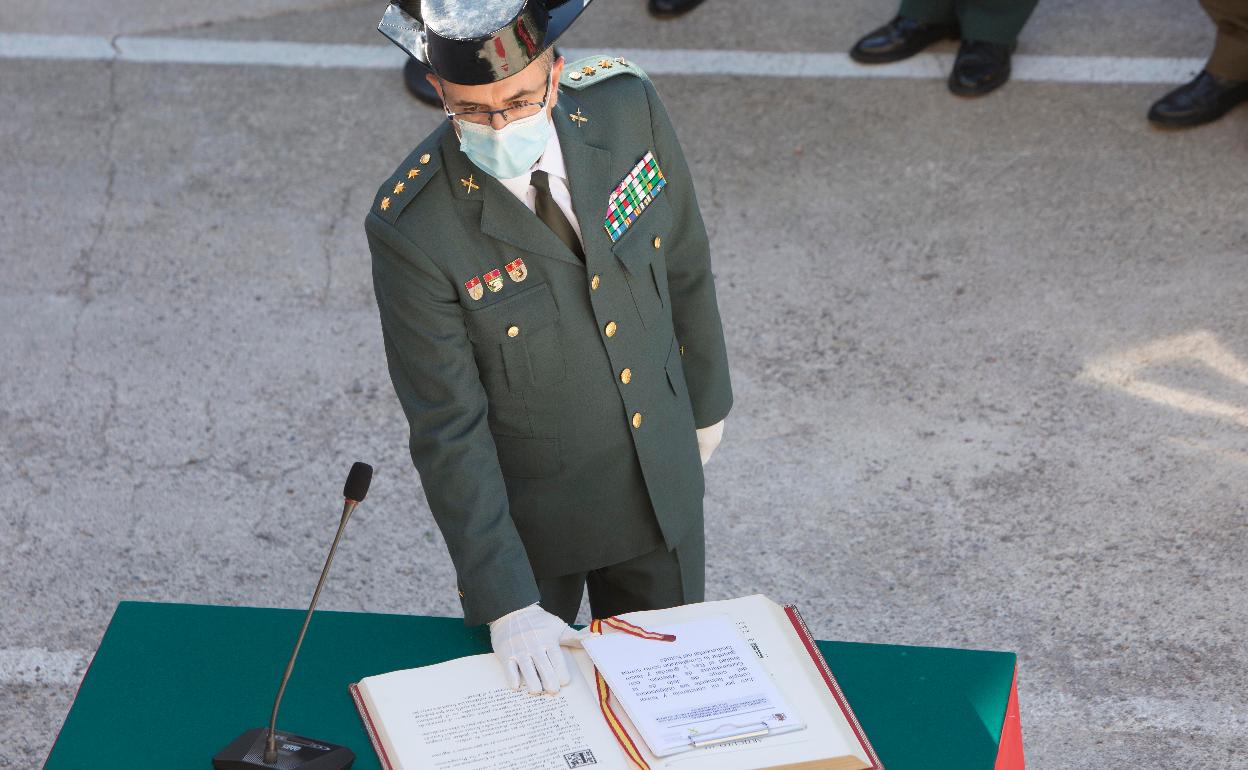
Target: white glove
[[708, 439], [527, 642]]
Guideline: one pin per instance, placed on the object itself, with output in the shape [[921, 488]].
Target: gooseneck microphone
[[261, 748]]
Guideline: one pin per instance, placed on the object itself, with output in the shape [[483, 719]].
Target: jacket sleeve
[[435, 376], [691, 284]]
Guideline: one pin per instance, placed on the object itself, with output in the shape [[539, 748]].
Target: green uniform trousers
[[993, 21], [652, 581], [1230, 51]]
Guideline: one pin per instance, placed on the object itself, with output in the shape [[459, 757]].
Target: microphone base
[[294, 752]]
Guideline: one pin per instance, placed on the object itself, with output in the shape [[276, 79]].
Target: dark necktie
[[549, 212]]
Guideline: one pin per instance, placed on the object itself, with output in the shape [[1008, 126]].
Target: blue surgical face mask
[[509, 151]]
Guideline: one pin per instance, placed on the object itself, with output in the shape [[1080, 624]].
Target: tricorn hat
[[473, 42]]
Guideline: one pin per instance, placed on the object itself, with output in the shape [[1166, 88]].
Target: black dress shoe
[[666, 9], [899, 39], [1205, 99], [980, 67], [414, 78]]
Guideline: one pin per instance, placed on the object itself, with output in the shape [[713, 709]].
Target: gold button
[[636, 419], [424, 158], [626, 375], [657, 241], [593, 282], [575, 75], [610, 329], [512, 331], [682, 350], [461, 594]]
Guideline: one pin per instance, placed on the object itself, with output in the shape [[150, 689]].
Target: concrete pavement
[[988, 356]]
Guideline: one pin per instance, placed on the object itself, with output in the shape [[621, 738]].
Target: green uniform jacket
[[539, 455]]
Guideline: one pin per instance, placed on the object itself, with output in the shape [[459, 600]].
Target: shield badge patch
[[494, 280], [475, 290], [517, 270]]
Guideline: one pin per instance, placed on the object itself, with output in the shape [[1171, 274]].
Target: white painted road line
[[55, 47], [268, 53], [36, 665], [272, 53]]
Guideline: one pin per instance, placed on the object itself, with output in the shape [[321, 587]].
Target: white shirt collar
[[552, 158]]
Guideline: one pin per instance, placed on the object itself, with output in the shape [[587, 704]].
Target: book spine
[[369, 727], [808, 641]]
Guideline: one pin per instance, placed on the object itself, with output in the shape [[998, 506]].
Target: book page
[[705, 686], [460, 715], [828, 740]]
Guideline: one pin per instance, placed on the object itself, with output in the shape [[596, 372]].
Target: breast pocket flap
[[636, 247], [529, 309]]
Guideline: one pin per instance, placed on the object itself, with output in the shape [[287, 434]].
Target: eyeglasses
[[516, 111], [486, 117]]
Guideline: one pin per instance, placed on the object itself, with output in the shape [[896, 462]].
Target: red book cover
[[369, 727], [803, 633]]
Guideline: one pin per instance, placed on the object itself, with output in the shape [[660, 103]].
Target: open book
[[460, 714]]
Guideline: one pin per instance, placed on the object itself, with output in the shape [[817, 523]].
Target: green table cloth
[[172, 684]]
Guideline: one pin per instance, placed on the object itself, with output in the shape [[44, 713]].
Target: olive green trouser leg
[[652, 581], [1230, 51], [993, 21], [930, 11]]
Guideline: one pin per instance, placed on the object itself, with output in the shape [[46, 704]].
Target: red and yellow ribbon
[[604, 692]]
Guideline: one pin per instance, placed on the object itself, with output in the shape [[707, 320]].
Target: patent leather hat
[[473, 42]]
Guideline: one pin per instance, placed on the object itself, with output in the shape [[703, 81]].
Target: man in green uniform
[[988, 29], [550, 322], [1223, 83]]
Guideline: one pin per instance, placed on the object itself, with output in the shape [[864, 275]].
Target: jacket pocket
[[676, 371], [637, 251], [658, 271], [523, 329], [526, 457]]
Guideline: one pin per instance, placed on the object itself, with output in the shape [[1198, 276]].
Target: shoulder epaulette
[[595, 69], [407, 180]]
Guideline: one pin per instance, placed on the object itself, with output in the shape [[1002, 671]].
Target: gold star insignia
[[412, 173], [398, 188], [385, 203], [469, 184], [605, 64], [587, 70], [579, 118]]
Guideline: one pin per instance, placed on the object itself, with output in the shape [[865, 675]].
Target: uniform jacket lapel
[[589, 174], [505, 218]]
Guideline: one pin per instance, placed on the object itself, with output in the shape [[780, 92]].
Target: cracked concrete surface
[[914, 290]]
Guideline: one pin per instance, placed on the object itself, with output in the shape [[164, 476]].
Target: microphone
[[260, 747]]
